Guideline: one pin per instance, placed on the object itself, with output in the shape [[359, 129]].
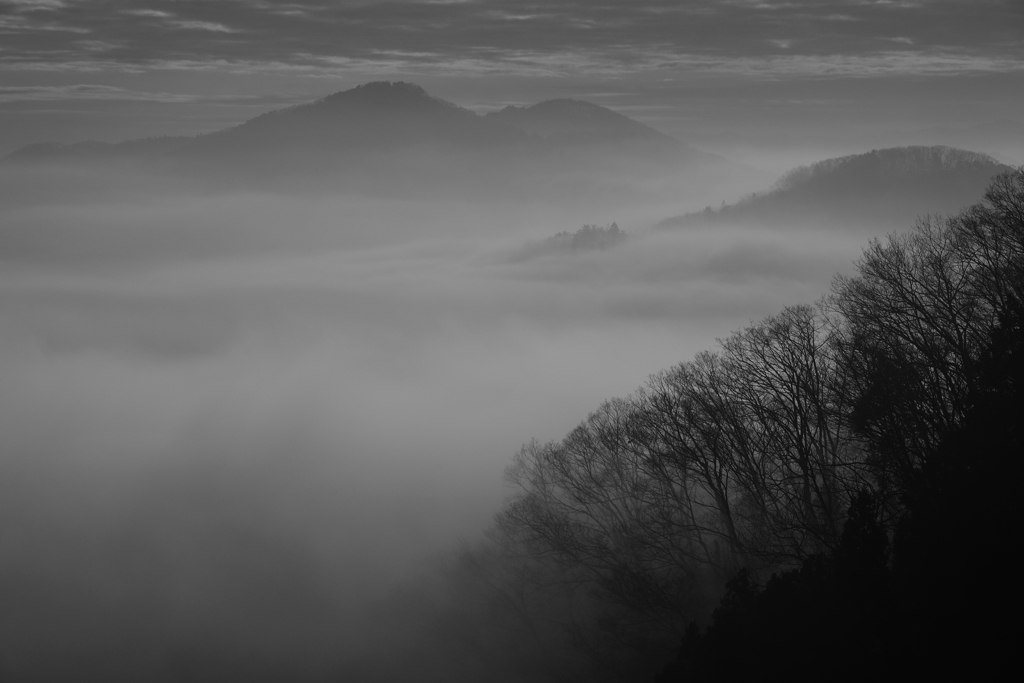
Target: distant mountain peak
[[394, 133], [379, 90], [385, 95], [560, 118], [383, 114], [390, 86], [387, 98]]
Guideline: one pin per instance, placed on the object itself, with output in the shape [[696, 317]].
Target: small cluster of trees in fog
[[587, 237], [748, 460]]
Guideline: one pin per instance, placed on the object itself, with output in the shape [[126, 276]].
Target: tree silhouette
[[934, 349], [845, 475]]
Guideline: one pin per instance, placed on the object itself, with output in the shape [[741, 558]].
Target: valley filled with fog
[[263, 411], [250, 416], [453, 341]]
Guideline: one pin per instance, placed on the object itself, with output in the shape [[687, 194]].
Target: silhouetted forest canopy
[[587, 237], [831, 493]]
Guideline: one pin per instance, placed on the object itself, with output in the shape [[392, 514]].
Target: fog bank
[[235, 423]]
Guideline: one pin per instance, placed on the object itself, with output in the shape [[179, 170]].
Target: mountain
[[571, 125], [398, 126], [566, 121], [887, 188], [585, 144], [377, 116], [395, 138], [93, 152], [1002, 139], [378, 137], [348, 133]]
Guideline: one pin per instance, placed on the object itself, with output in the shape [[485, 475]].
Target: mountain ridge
[[552, 119], [393, 102], [396, 138], [561, 120], [888, 187]]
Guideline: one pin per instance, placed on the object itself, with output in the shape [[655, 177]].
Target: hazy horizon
[[771, 143], [770, 84]]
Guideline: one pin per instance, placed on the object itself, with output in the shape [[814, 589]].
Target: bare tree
[[738, 458], [792, 390], [750, 456], [917, 317], [590, 503]]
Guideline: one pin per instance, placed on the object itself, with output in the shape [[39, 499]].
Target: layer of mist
[[234, 423], [246, 425]]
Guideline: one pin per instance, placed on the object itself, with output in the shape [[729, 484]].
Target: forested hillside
[[883, 188], [844, 474]]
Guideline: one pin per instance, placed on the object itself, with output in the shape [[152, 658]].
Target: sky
[[73, 70]]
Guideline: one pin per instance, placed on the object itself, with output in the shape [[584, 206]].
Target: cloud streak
[[945, 34], [84, 92]]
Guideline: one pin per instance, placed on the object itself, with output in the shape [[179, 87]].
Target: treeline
[[931, 340], [845, 475]]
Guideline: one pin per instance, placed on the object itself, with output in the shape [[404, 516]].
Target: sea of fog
[[234, 423]]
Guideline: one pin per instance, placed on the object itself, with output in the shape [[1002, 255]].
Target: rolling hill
[[887, 188], [583, 132], [574, 121]]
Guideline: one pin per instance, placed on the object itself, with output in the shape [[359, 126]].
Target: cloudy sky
[[111, 70]]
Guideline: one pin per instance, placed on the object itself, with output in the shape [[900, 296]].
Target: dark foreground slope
[[844, 475], [921, 577], [887, 188]]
